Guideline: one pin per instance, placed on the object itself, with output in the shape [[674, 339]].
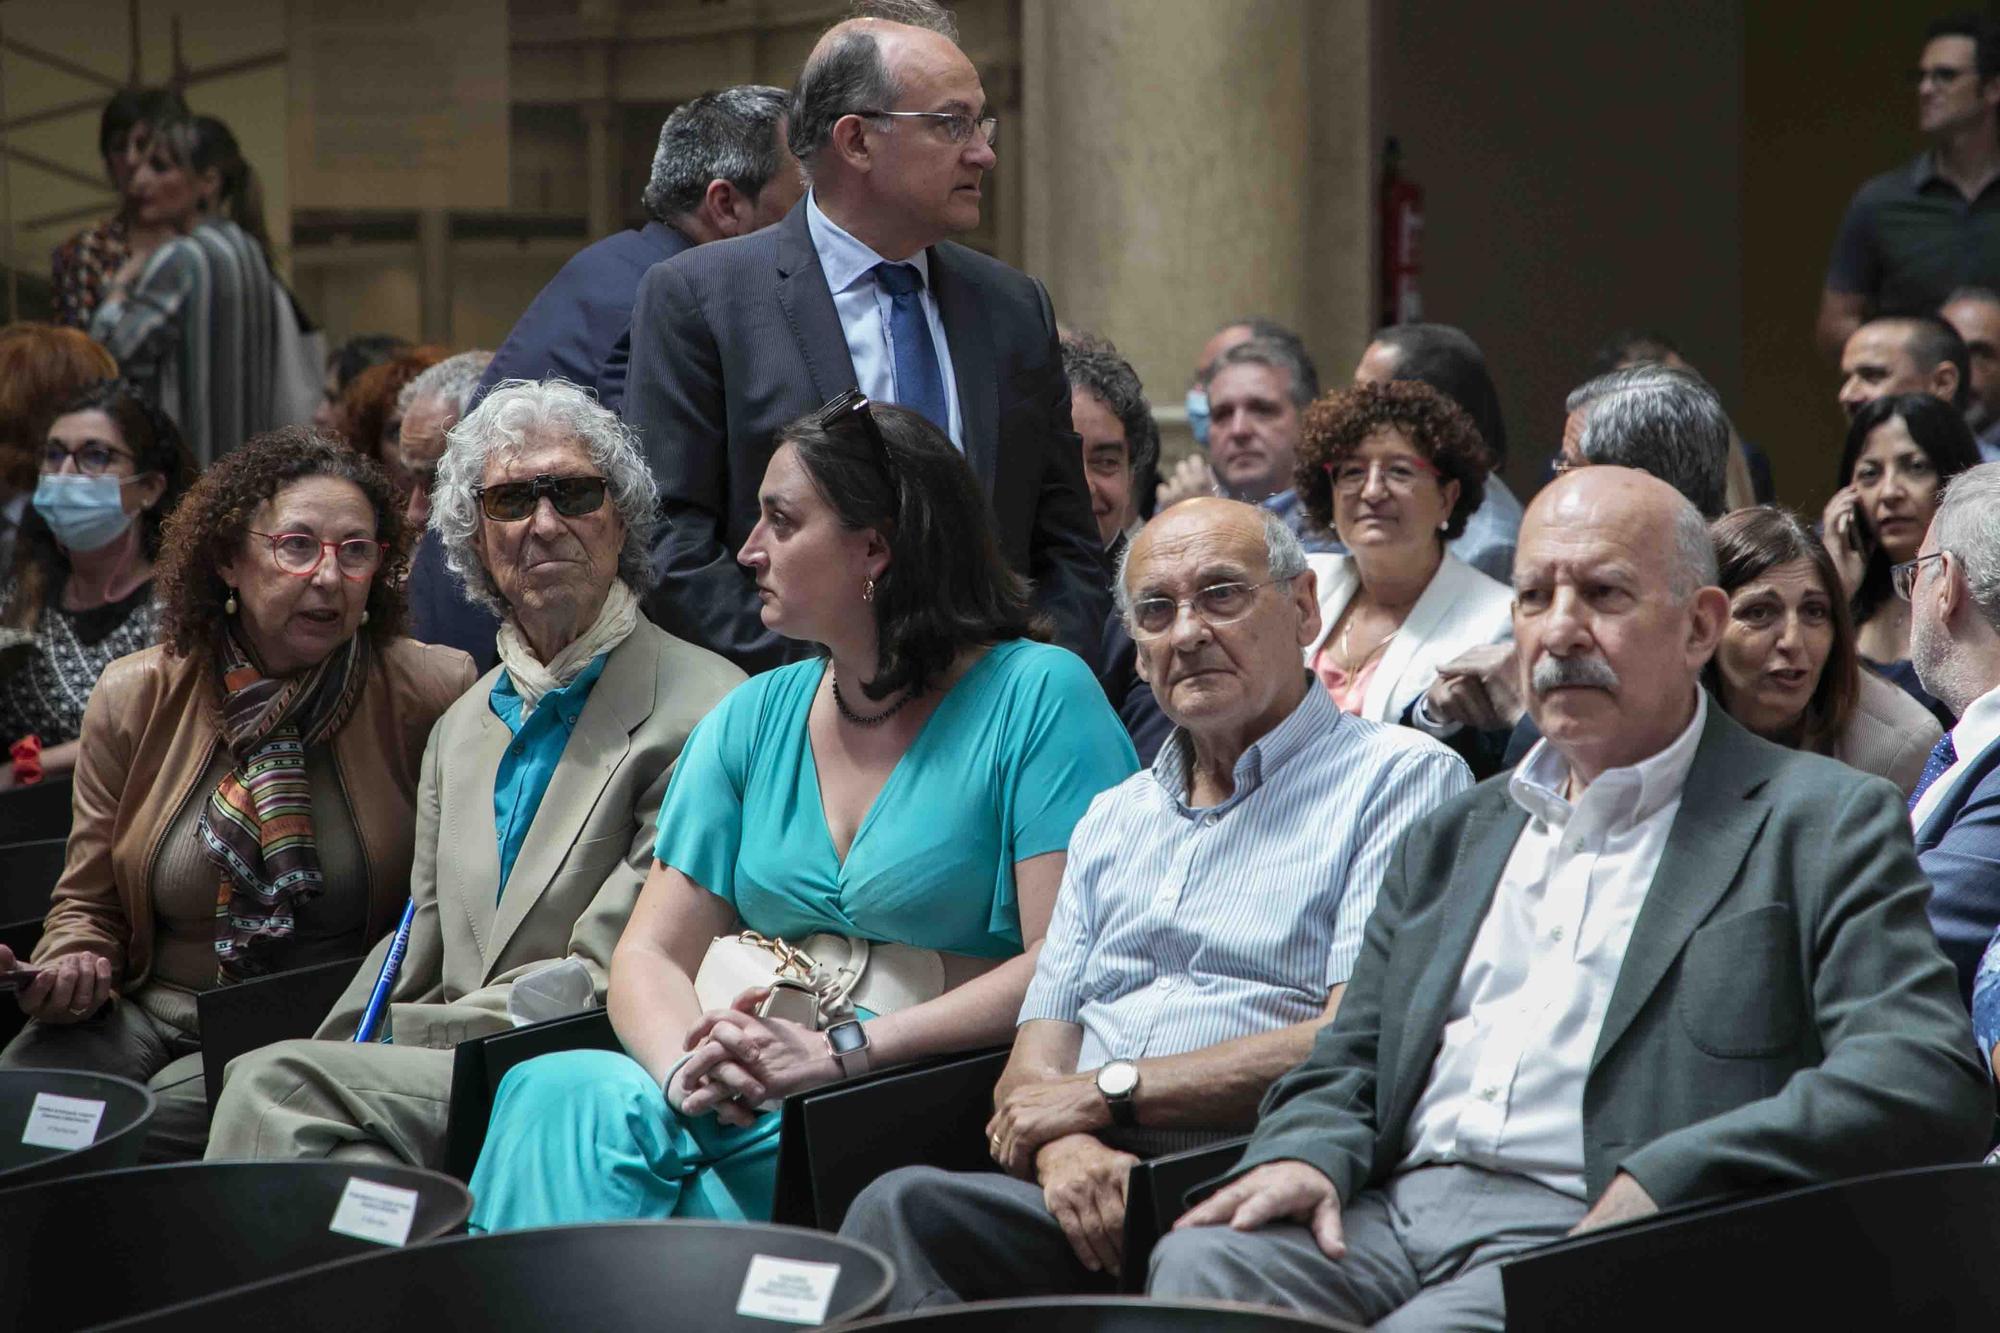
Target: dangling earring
[[229, 607], [868, 590], [364, 615]]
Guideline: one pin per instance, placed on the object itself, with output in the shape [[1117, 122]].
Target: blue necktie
[[919, 380], [1943, 755]]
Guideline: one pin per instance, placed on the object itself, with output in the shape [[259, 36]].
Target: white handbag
[[820, 982]]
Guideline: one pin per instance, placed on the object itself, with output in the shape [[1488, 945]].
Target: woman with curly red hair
[[1395, 469], [245, 791]]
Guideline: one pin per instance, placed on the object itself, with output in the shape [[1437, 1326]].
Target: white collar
[[1979, 727], [846, 260], [1635, 792]]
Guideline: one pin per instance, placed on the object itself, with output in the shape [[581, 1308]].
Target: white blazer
[[1462, 608]]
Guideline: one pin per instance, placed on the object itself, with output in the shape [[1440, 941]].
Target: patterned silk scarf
[[258, 825]]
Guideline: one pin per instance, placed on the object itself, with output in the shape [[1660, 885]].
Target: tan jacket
[[580, 868], [1888, 734], [149, 733]]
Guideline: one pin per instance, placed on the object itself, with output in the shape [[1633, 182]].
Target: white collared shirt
[[1506, 1089], [863, 307], [1979, 728]]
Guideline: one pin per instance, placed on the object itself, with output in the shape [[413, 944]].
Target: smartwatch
[[1118, 1084], [848, 1041]]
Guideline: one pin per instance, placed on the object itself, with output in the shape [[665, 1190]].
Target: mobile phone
[[1860, 538], [19, 979]]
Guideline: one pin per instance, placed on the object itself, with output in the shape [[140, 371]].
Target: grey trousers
[[966, 1236], [1421, 1253], [124, 1039], [311, 1099]]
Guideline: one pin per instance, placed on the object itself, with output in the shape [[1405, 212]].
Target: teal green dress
[[1001, 772]]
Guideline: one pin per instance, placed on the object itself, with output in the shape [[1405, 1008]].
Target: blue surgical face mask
[[85, 513], [1197, 414]]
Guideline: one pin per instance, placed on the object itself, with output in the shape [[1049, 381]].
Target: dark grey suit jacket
[[735, 339], [1783, 1016]]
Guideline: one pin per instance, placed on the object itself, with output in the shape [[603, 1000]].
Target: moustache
[[1556, 673]]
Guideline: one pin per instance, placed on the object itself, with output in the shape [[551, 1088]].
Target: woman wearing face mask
[[1900, 452], [914, 787], [82, 268], [81, 591], [245, 791], [1787, 667], [41, 368], [195, 324]]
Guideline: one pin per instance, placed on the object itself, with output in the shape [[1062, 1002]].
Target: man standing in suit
[[1663, 961], [1954, 590], [721, 169], [857, 286]]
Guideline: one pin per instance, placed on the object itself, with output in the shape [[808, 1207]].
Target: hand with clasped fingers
[[1083, 1185], [69, 989], [1287, 1191], [741, 1061], [1035, 1114], [1480, 688]]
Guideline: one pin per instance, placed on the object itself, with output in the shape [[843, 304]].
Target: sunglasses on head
[[851, 408], [512, 501]]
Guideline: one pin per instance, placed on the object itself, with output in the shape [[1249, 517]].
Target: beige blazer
[[1462, 608], [1889, 734], [580, 868]]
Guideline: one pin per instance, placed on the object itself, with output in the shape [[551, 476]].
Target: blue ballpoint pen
[[378, 999]]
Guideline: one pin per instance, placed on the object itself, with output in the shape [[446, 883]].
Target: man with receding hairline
[[859, 287], [1975, 313], [1903, 354], [1663, 961]]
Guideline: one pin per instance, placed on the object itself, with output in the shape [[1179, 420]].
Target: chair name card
[[792, 1290], [62, 1122], [372, 1211]]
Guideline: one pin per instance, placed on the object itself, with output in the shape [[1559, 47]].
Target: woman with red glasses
[[1395, 469], [246, 790]]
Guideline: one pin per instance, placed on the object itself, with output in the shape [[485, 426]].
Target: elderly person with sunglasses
[[901, 801], [1396, 469], [245, 791], [539, 789]]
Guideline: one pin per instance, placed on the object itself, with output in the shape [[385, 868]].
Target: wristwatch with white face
[[849, 1044], [1118, 1084]]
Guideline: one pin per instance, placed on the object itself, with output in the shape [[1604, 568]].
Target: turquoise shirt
[[1001, 771], [530, 761]]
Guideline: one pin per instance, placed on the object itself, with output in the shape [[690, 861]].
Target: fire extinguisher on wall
[[1402, 240]]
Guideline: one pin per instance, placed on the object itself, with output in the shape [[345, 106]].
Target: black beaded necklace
[[857, 719]]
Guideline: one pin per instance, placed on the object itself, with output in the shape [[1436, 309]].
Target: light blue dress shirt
[[863, 308], [530, 760]]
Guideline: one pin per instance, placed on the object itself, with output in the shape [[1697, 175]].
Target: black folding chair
[[478, 1066], [28, 873], [93, 1248], [1909, 1249], [1106, 1314], [254, 1013], [611, 1277], [1156, 1195], [39, 810], [55, 1106]]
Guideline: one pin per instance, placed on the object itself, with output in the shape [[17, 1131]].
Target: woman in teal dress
[[916, 785]]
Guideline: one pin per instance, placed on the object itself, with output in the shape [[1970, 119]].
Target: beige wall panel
[[377, 295], [490, 291]]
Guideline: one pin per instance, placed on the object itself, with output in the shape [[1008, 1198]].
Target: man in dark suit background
[[1954, 592], [721, 169], [857, 287], [1663, 961]]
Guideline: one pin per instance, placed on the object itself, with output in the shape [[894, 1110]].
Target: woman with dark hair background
[[1787, 667], [1900, 452], [365, 414], [82, 268], [80, 592], [914, 787], [195, 324]]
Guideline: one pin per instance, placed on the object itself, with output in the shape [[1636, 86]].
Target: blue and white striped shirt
[[1178, 928]]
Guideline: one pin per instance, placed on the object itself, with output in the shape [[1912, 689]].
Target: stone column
[[1188, 161]]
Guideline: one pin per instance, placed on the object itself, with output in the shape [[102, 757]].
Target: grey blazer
[[581, 866], [1783, 1016]]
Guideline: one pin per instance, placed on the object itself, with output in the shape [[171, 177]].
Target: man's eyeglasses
[[1903, 577], [851, 407], [1942, 75], [957, 126], [1398, 474], [301, 554], [92, 460], [512, 501], [1218, 604]]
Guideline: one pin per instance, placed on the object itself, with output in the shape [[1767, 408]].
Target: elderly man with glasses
[[1211, 910], [538, 793]]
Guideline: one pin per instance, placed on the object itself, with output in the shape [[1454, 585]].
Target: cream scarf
[[532, 679]]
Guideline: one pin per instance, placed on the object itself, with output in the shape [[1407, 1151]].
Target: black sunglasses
[[851, 408], [512, 501]]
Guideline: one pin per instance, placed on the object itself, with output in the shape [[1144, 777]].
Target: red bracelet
[[27, 754]]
